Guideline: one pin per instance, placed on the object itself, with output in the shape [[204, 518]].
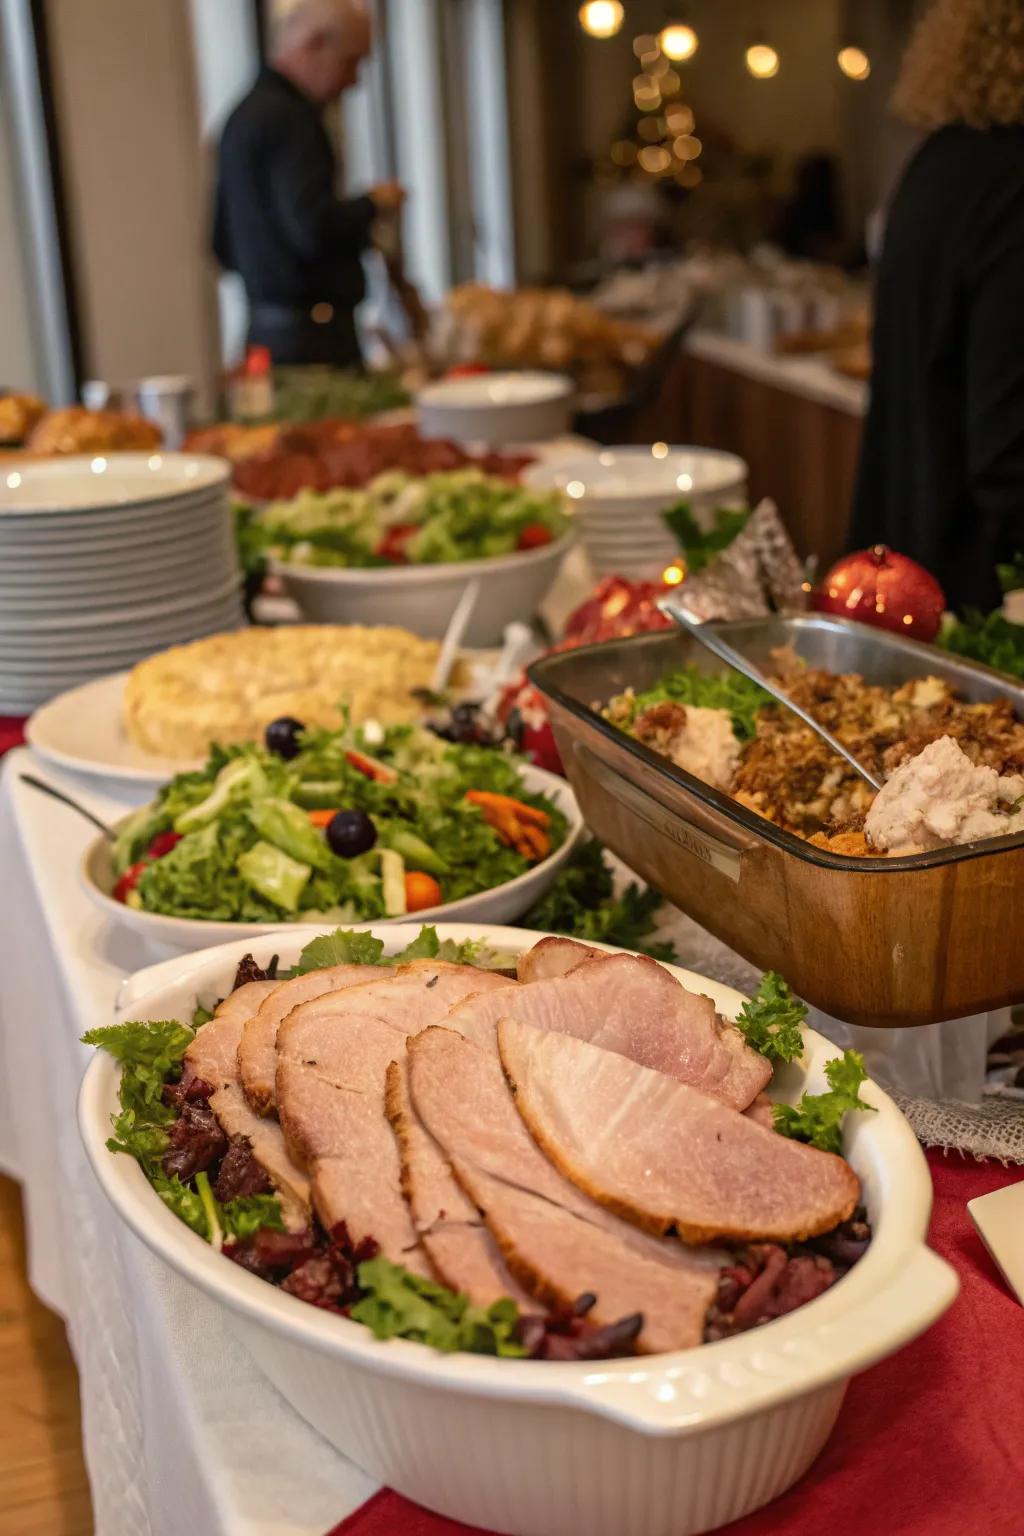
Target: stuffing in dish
[[572, 1159], [925, 741]]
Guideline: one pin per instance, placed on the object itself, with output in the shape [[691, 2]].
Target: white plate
[[41, 486], [681, 1442], [502, 903], [634, 475], [84, 730], [130, 532], [136, 616]]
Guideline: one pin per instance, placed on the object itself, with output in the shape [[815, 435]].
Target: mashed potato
[[939, 798]]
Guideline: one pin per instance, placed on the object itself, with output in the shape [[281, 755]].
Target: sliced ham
[[333, 1054], [257, 1052], [458, 1244], [761, 1112], [557, 1242], [663, 1154], [213, 1057], [631, 1005], [554, 957]]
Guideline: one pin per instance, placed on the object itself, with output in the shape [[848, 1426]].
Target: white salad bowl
[[423, 597], [497, 408], [501, 904], [661, 1445]]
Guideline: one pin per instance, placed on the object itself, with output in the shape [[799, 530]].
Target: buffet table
[[184, 1436]]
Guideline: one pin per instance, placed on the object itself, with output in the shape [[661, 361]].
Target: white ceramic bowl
[[501, 904], [497, 408], [423, 597], [665, 1445], [620, 493]]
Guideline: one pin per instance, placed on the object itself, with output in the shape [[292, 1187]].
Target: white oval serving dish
[[665, 1445], [497, 408]]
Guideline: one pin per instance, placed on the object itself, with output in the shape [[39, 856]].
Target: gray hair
[[291, 21]]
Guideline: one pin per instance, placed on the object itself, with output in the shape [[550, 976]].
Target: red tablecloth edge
[[12, 733], [929, 1442]]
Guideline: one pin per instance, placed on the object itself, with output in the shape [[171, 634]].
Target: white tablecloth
[[184, 1436]]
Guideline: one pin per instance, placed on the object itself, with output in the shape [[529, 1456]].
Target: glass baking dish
[[884, 942]]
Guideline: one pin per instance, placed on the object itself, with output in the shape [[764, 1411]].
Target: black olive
[[350, 833], [282, 737]]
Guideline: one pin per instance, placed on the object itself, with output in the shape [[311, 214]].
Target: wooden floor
[[43, 1487]]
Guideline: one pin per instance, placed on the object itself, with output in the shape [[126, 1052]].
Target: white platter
[[503, 903], [84, 730], [677, 1443], [497, 408]]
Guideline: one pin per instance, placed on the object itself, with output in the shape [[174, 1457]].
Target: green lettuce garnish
[[818, 1118], [343, 947], [401, 1305], [730, 691], [582, 903], [772, 1020]]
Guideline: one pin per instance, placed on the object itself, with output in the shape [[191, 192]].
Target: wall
[[124, 80]]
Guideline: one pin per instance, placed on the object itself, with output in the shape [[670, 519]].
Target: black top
[[942, 466], [278, 220]]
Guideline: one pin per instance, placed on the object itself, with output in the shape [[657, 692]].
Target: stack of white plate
[[105, 560], [620, 494]]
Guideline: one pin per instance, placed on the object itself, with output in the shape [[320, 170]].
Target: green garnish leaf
[[988, 638], [427, 946], [401, 1305], [772, 1020], [201, 1016], [342, 947], [582, 903], [699, 545], [818, 1117], [730, 691], [248, 1214], [150, 1052]]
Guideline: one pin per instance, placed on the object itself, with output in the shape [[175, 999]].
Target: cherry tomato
[[129, 880], [392, 546], [534, 536], [421, 891], [163, 843]]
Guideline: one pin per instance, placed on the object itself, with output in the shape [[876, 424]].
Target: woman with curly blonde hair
[[942, 465]]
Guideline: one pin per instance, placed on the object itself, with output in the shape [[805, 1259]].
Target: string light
[[672, 575], [645, 45], [762, 61], [686, 147], [679, 118], [655, 159], [678, 42], [601, 18], [854, 63]]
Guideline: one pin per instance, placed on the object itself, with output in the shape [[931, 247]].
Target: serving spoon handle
[[675, 609], [76, 805]]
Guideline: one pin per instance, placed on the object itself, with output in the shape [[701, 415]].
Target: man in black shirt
[[278, 220]]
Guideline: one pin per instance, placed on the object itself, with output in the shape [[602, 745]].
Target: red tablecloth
[[929, 1443], [12, 733]]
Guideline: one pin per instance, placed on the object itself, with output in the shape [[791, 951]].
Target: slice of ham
[[663, 1154], [554, 957], [631, 1005], [257, 1052], [213, 1057], [458, 1244], [558, 1243], [761, 1112], [333, 1054]]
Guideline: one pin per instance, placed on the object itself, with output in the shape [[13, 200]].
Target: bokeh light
[[686, 147], [678, 42], [762, 61], [601, 18], [655, 159], [854, 63], [646, 43], [679, 118], [672, 575]]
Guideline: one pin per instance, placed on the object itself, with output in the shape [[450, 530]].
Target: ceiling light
[[854, 63], [678, 41], [601, 18], [762, 61]]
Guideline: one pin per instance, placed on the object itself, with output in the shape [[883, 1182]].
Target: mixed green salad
[[401, 519], [333, 825]]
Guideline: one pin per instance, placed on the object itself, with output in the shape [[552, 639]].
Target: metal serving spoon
[[76, 805], [675, 609]]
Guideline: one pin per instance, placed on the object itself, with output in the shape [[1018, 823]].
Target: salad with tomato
[[346, 826], [401, 519]]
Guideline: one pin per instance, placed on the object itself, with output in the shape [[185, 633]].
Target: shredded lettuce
[[818, 1118], [772, 1020]]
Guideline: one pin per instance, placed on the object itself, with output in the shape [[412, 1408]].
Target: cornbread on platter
[[227, 688]]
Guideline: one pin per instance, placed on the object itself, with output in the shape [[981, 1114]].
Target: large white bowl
[[497, 408], [620, 494], [665, 1445], [501, 904], [423, 597]]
